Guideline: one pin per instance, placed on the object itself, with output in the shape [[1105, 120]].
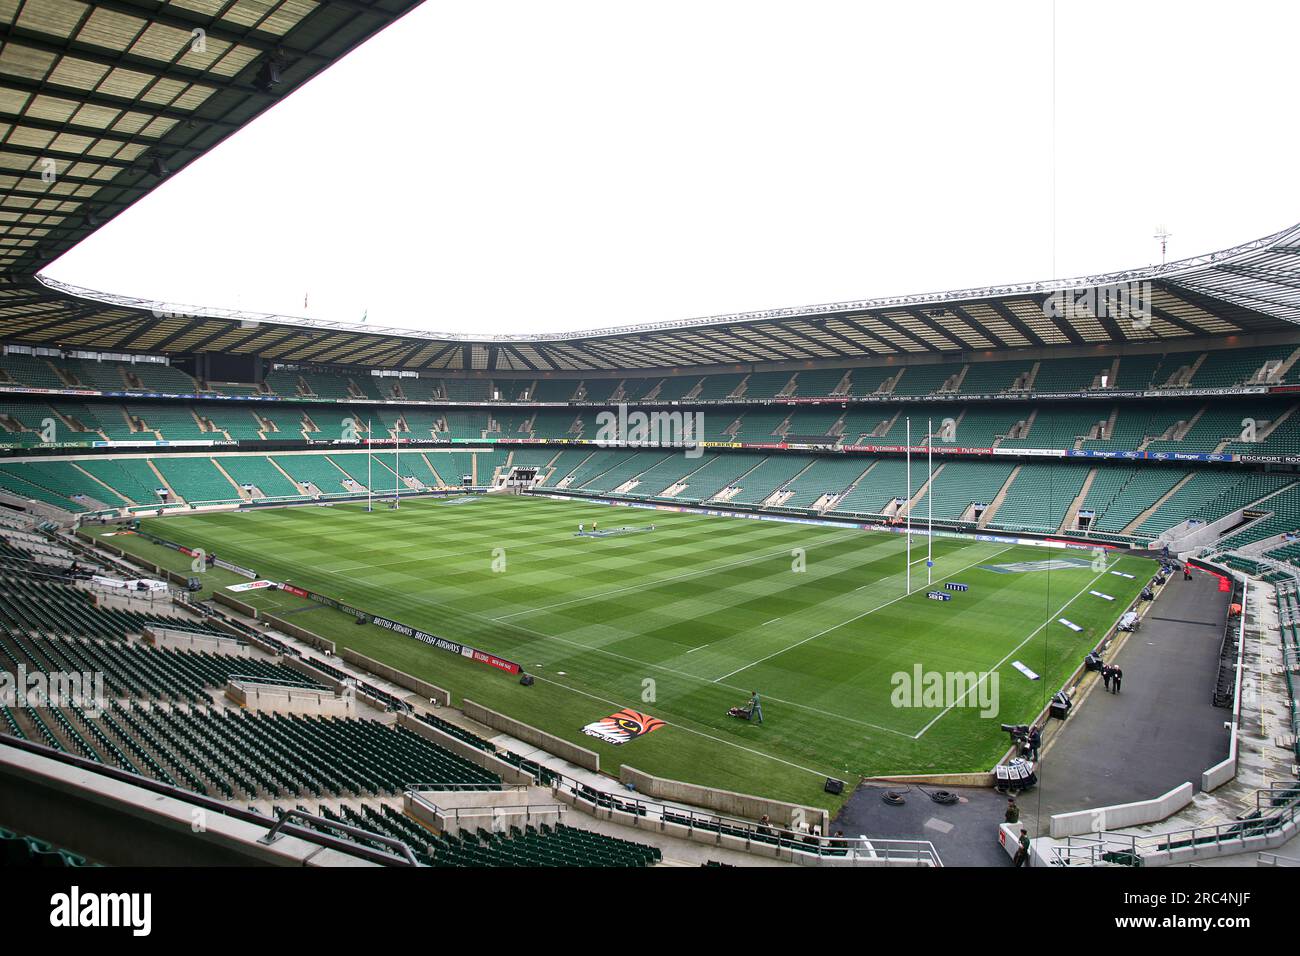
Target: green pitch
[[685, 621]]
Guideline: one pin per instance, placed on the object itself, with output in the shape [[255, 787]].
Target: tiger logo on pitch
[[626, 725]]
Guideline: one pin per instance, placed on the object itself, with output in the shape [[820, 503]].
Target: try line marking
[[1059, 610], [856, 617]]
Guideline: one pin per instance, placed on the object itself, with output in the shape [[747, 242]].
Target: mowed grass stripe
[[428, 565]]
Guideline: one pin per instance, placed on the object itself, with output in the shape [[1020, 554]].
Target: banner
[[238, 569]]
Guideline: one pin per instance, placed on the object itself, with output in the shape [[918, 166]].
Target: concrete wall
[[302, 667], [1122, 815], [507, 772], [423, 688], [293, 630], [245, 609], [288, 700], [189, 641], [742, 805], [538, 738]]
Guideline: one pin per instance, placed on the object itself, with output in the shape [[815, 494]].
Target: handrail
[[1277, 859], [273, 834], [778, 835], [276, 682], [1260, 824]]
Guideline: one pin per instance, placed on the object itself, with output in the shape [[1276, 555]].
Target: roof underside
[[43, 313], [100, 101]]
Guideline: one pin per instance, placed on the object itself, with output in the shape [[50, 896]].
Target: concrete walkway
[[1161, 730]]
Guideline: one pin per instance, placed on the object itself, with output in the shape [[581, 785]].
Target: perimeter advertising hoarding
[[510, 667]]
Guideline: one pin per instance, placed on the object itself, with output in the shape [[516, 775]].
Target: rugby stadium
[[829, 586]]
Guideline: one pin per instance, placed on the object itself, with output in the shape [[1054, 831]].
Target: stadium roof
[[1253, 288], [100, 101]]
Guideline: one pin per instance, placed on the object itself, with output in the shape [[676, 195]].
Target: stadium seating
[[30, 370], [1039, 496], [1054, 426], [196, 478], [130, 477], [169, 422], [25, 852], [1069, 375], [239, 422], [1142, 488], [922, 379], [993, 377], [563, 465], [884, 481], [959, 484], [258, 471], [770, 475], [624, 467], [823, 477]]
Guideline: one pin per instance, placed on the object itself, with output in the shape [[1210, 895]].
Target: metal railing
[[1275, 808], [499, 816], [404, 856], [1277, 859], [782, 837]]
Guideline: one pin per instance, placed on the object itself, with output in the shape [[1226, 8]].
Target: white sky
[[513, 166]]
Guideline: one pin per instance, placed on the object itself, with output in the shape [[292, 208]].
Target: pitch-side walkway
[[1161, 730]]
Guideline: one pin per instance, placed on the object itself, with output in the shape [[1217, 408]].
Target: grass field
[[684, 621]]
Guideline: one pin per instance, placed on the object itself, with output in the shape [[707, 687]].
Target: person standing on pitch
[[755, 708]]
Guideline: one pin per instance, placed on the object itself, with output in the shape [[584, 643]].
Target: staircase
[[1000, 497], [1137, 522], [831, 502], [920, 492], [1072, 513]]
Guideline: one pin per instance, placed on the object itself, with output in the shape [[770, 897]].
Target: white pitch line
[[858, 617], [669, 670], [689, 730], [695, 677], [1059, 610], [766, 623]]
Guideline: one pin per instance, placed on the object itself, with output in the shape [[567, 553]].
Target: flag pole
[[908, 506], [370, 483], [929, 498]]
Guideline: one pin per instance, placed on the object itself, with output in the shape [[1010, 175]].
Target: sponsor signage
[[246, 572], [251, 586]]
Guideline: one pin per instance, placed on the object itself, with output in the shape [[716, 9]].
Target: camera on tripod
[[1019, 733]]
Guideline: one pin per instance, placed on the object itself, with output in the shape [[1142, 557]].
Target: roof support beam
[[1014, 321]]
